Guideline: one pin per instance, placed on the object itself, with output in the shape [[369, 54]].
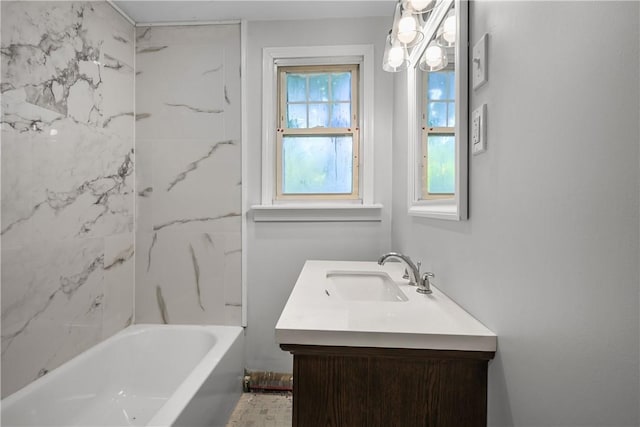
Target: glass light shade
[[395, 56], [447, 30], [419, 6], [434, 58], [407, 28]]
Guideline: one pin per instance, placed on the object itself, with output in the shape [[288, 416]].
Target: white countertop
[[315, 314]]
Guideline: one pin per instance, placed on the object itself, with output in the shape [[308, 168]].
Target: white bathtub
[[146, 375]]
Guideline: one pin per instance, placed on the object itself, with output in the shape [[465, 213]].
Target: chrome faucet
[[424, 286]]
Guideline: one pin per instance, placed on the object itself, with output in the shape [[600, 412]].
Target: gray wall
[[549, 257], [277, 251]]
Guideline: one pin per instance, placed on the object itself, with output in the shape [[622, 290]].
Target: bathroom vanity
[[368, 350]]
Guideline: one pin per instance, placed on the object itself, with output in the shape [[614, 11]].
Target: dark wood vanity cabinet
[[385, 387]]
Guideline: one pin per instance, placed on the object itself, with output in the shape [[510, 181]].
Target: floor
[[262, 410]]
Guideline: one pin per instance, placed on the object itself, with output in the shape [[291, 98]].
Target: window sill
[[317, 213], [447, 210]]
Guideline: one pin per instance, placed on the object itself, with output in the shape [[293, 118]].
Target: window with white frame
[[317, 138], [317, 147]]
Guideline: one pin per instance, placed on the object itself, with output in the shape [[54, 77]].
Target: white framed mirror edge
[[455, 209]]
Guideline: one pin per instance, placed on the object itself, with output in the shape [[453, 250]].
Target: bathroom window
[[438, 135], [317, 139]]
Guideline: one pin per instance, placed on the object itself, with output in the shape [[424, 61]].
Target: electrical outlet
[[479, 129], [479, 63]]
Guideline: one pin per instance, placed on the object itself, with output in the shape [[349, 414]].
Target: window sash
[[426, 132], [283, 130]]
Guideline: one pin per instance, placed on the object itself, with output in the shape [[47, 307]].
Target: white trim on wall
[[186, 23], [244, 162], [121, 12], [171, 23], [135, 166]]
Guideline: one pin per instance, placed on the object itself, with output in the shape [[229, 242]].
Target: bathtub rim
[[169, 412], [225, 337]]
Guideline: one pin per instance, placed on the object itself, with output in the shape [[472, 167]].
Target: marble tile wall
[[67, 182], [188, 175]]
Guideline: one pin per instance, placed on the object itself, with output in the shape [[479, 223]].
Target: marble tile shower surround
[[188, 175], [67, 182], [67, 179]]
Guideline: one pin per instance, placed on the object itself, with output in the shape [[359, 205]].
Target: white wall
[[549, 257], [277, 251]]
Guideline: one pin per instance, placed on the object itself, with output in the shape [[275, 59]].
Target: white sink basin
[[319, 311], [366, 286]]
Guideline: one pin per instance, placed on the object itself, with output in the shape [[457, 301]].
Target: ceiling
[[157, 11]]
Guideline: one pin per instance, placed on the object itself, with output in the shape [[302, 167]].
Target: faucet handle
[[426, 277], [425, 284]]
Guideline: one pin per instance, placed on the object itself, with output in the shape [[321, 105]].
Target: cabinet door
[[330, 391], [383, 387], [427, 393]]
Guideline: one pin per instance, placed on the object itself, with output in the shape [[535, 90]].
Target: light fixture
[[419, 6], [434, 58], [410, 18], [395, 55], [408, 29], [447, 31]]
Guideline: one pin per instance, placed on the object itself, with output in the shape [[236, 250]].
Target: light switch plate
[[479, 62], [479, 130]]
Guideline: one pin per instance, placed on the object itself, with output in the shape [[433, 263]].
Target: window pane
[[452, 85], [441, 156], [319, 87], [296, 87], [318, 115], [317, 165], [451, 117], [437, 114], [437, 86], [297, 115], [341, 115], [341, 86]]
